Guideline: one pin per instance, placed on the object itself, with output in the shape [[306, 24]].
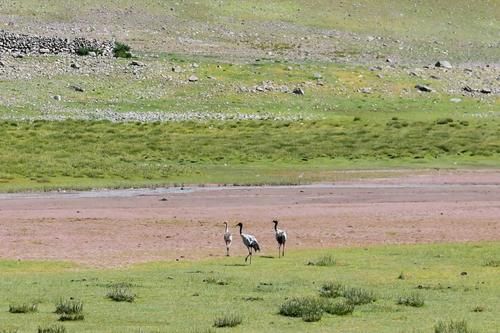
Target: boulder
[[443, 64]]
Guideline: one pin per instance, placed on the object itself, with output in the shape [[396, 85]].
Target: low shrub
[[453, 327], [338, 307], [228, 320], [120, 293], [414, 299], [23, 308], [309, 308], [358, 296], [331, 289]]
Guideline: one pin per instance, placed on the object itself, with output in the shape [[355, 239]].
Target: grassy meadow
[[454, 281]]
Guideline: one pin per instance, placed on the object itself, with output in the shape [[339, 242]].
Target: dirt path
[[114, 228]]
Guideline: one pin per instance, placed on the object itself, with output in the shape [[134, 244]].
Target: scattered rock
[[136, 63], [375, 68], [176, 69], [455, 100], [298, 91], [318, 76], [389, 60], [75, 65], [424, 88], [77, 88], [57, 97], [44, 51], [485, 91], [435, 77], [193, 78], [468, 89], [443, 64], [366, 90]]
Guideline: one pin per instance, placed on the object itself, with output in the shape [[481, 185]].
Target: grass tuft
[[324, 261], [69, 310], [492, 263], [453, 327], [23, 308], [212, 280], [228, 320], [120, 292], [414, 299], [52, 329], [479, 308]]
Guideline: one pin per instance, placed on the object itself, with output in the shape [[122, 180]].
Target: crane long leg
[[249, 255], [283, 249], [279, 250]]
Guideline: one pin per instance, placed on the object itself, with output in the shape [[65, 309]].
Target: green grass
[[174, 297], [47, 155]]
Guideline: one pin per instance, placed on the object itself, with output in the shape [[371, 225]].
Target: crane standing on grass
[[280, 238], [228, 238], [250, 242]]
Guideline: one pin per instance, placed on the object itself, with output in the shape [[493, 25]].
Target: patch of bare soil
[[120, 228]]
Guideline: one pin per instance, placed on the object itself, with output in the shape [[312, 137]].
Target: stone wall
[[13, 43]]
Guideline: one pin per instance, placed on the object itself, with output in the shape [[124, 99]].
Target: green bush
[[121, 50], [338, 307], [309, 308], [228, 320], [23, 308]]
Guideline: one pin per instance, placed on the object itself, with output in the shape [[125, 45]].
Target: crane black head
[[275, 221], [239, 225]]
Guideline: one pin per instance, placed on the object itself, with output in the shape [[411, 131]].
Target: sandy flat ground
[[118, 228]]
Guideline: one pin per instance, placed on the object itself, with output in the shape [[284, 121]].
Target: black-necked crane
[[228, 238], [280, 238], [250, 242]]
